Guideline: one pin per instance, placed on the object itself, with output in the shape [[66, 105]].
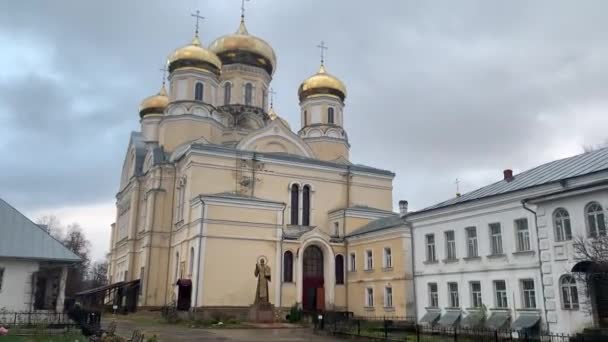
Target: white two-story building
[[502, 256]]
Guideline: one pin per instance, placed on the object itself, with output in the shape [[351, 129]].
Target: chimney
[[402, 208], [508, 175]]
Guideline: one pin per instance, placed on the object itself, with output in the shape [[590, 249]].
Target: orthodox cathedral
[[215, 182]]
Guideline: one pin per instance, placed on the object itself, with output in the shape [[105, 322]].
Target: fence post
[[417, 333], [495, 335], [526, 337], [358, 327], [455, 334], [385, 322]]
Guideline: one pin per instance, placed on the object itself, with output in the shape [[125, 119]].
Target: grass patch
[[43, 338]]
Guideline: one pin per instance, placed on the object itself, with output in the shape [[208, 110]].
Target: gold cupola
[[194, 55], [275, 116], [241, 47], [154, 105], [322, 83]]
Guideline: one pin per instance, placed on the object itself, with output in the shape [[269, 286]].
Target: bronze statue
[[262, 271]]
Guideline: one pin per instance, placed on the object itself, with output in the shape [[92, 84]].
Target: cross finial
[[272, 93], [243, 9], [164, 70], [457, 182], [198, 16], [322, 47]]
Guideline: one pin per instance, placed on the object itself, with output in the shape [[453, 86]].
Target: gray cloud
[[436, 91]]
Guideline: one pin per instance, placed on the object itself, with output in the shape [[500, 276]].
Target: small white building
[[33, 265], [502, 256]]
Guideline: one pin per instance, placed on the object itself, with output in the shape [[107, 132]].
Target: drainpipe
[[200, 239], [540, 263], [281, 262], [345, 268], [172, 217], [413, 267]]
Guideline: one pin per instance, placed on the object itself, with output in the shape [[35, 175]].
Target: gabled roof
[[23, 239], [379, 224], [555, 171]]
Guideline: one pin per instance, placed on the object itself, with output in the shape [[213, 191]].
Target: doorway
[[184, 292], [313, 282]]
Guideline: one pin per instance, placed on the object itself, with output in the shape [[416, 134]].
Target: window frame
[[339, 271], [388, 296], [453, 295], [562, 224], [528, 296], [596, 215], [369, 297], [433, 295], [2, 273], [306, 194], [476, 295], [472, 242], [248, 94], [352, 264], [568, 287], [450, 245], [288, 267], [387, 257], [331, 115], [496, 245], [294, 194], [500, 296], [431, 251], [227, 93], [369, 260], [199, 91], [522, 236]]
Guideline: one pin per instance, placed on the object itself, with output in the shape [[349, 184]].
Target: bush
[[295, 314]]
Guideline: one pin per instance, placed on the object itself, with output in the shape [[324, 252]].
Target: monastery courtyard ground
[[151, 325]]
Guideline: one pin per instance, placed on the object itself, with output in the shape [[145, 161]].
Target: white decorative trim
[[278, 130]]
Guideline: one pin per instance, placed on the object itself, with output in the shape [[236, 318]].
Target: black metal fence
[[49, 320], [407, 329]]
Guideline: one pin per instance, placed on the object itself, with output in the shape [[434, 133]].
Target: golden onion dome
[[155, 104], [274, 116], [241, 47], [194, 55], [322, 83]]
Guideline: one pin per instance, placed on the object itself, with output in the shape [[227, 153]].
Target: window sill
[[352, 271], [432, 308], [530, 252], [472, 258], [389, 308], [479, 308], [528, 310], [369, 270], [430, 262], [496, 256], [453, 308], [368, 308], [387, 269], [450, 261], [570, 309], [500, 309]]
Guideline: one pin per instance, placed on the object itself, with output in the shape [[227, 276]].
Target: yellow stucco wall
[[329, 150]]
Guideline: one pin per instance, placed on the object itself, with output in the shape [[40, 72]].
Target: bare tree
[[52, 224], [75, 241], [594, 252], [98, 274]]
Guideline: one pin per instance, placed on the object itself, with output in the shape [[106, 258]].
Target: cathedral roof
[[23, 239], [552, 172], [194, 55], [322, 83]]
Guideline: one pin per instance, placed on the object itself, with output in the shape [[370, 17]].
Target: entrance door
[[600, 287], [184, 292], [312, 282]]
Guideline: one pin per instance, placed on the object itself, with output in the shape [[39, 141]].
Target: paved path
[[178, 333]]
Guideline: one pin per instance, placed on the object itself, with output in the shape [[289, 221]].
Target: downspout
[[540, 263], [253, 162], [200, 240], [345, 268], [413, 267], [170, 231], [281, 264]]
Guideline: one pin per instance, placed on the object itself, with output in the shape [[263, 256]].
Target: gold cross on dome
[[322, 47], [198, 17], [164, 70], [243, 8], [272, 93]]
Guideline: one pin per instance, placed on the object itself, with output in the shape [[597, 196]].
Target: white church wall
[[15, 293]]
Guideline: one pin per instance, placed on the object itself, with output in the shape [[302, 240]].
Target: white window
[[528, 294], [500, 294], [495, 239], [369, 260], [523, 235], [596, 225], [450, 245], [561, 223], [352, 262], [569, 292], [472, 250], [433, 296], [388, 297], [388, 257], [475, 294], [1, 277], [369, 297], [453, 295], [430, 248]]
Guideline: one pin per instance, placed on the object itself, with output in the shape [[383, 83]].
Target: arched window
[[330, 115], [295, 203], [177, 265], [191, 266], [306, 205], [569, 292], [339, 269], [248, 94], [227, 93], [561, 222], [288, 267], [596, 225], [305, 118], [198, 91]]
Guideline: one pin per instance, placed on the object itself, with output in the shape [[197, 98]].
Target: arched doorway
[[313, 294], [595, 279]]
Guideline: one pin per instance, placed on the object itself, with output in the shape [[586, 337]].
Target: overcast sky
[[436, 90]]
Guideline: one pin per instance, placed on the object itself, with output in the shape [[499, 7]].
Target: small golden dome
[[274, 116], [241, 47], [322, 83], [155, 104], [196, 56]]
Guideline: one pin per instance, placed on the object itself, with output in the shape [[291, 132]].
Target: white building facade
[[492, 258]]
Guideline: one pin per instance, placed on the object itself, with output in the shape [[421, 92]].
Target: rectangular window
[[523, 235], [1, 277], [433, 296], [388, 297], [353, 262], [528, 294], [453, 295], [369, 297], [475, 294], [430, 248], [450, 245], [388, 257], [472, 250], [495, 239], [500, 294], [369, 260]]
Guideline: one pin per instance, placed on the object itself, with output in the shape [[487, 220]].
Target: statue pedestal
[[261, 313]]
